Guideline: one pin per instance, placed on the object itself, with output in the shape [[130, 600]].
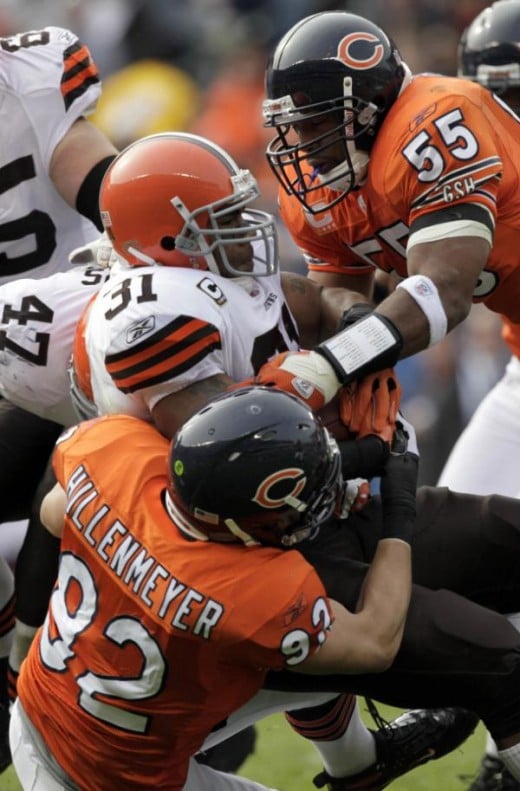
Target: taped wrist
[[310, 369], [363, 458], [369, 345], [398, 496]]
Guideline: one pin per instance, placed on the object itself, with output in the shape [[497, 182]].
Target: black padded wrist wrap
[[370, 344]]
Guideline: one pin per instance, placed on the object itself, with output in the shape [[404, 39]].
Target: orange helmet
[[177, 199]]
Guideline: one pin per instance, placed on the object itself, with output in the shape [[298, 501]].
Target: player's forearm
[[437, 294], [385, 596], [409, 319], [334, 303]]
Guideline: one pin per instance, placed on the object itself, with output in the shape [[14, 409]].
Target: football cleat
[[412, 739], [493, 776]]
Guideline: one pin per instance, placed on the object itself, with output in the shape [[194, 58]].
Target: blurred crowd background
[[198, 65]]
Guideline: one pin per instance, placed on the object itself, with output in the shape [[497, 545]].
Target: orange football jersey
[[448, 150], [152, 639]]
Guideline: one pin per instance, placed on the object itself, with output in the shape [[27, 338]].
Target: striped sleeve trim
[[471, 176], [7, 617], [461, 212], [176, 348], [79, 73]]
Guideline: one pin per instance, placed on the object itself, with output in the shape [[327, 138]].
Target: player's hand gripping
[[304, 374], [371, 405]]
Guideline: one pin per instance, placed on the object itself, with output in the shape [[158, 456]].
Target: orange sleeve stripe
[[80, 71], [70, 85], [80, 356], [168, 353], [175, 333], [487, 171], [7, 617], [169, 368]]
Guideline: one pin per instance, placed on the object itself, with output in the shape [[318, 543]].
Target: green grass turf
[[284, 761]]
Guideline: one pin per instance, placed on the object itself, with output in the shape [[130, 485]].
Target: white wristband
[[424, 292]]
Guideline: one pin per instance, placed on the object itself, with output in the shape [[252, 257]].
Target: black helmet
[[489, 49], [254, 465], [332, 63]]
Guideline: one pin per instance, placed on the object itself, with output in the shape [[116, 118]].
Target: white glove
[[356, 495], [99, 253]]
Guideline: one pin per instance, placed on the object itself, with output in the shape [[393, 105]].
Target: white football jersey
[[152, 331], [37, 324], [47, 81]]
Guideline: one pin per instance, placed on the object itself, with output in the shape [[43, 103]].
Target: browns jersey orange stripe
[[178, 346], [79, 71], [7, 617], [80, 354]]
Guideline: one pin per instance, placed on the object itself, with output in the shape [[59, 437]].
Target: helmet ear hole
[[168, 243]]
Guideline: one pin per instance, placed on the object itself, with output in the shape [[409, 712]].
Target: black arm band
[[368, 345], [87, 200], [398, 496], [363, 458]]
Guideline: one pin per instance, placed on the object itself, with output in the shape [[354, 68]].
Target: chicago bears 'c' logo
[[264, 498], [345, 51]]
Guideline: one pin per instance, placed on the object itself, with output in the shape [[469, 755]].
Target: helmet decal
[[346, 57], [262, 496]]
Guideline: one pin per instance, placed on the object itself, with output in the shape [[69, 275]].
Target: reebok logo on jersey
[[139, 329], [295, 610]]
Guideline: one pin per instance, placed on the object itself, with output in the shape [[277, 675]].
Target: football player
[[190, 310], [167, 563], [195, 301], [489, 54], [52, 162], [42, 316], [39, 320], [415, 174]]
